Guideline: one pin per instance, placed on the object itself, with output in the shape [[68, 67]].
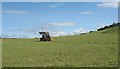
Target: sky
[[60, 0], [26, 19]]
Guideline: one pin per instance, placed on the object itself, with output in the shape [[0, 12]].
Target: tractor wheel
[[49, 39], [41, 39]]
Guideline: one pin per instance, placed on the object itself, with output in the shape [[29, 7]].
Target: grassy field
[[96, 49], [0, 53]]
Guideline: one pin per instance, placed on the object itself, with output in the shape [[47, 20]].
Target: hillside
[[96, 49], [112, 29], [106, 35]]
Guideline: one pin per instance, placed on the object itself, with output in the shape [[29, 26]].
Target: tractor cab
[[45, 36]]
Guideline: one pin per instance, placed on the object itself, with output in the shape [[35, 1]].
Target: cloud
[[35, 29], [86, 12], [61, 33], [108, 5], [63, 24], [80, 30], [53, 6], [15, 12]]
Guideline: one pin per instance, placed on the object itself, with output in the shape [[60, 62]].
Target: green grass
[[94, 49], [113, 30], [0, 53]]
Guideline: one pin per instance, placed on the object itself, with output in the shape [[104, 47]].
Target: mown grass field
[[96, 49], [0, 53]]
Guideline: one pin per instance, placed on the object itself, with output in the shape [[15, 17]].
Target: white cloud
[[86, 12], [15, 12], [60, 33], [80, 30], [108, 5], [63, 24], [53, 6]]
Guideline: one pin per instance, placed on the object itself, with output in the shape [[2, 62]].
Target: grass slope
[[112, 30], [96, 49], [0, 53]]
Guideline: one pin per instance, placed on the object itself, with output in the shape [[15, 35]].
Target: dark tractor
[[45, 36]]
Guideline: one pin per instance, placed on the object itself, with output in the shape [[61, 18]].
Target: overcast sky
[[26, 19]]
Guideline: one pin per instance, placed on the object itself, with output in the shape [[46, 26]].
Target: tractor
[[45, 36]]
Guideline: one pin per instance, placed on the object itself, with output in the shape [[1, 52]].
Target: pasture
[[96, 49]]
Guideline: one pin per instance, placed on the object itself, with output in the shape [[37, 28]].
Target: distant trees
[[109, 26], [91, 31]]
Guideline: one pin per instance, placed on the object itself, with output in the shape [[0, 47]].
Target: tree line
[[109, 26]]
